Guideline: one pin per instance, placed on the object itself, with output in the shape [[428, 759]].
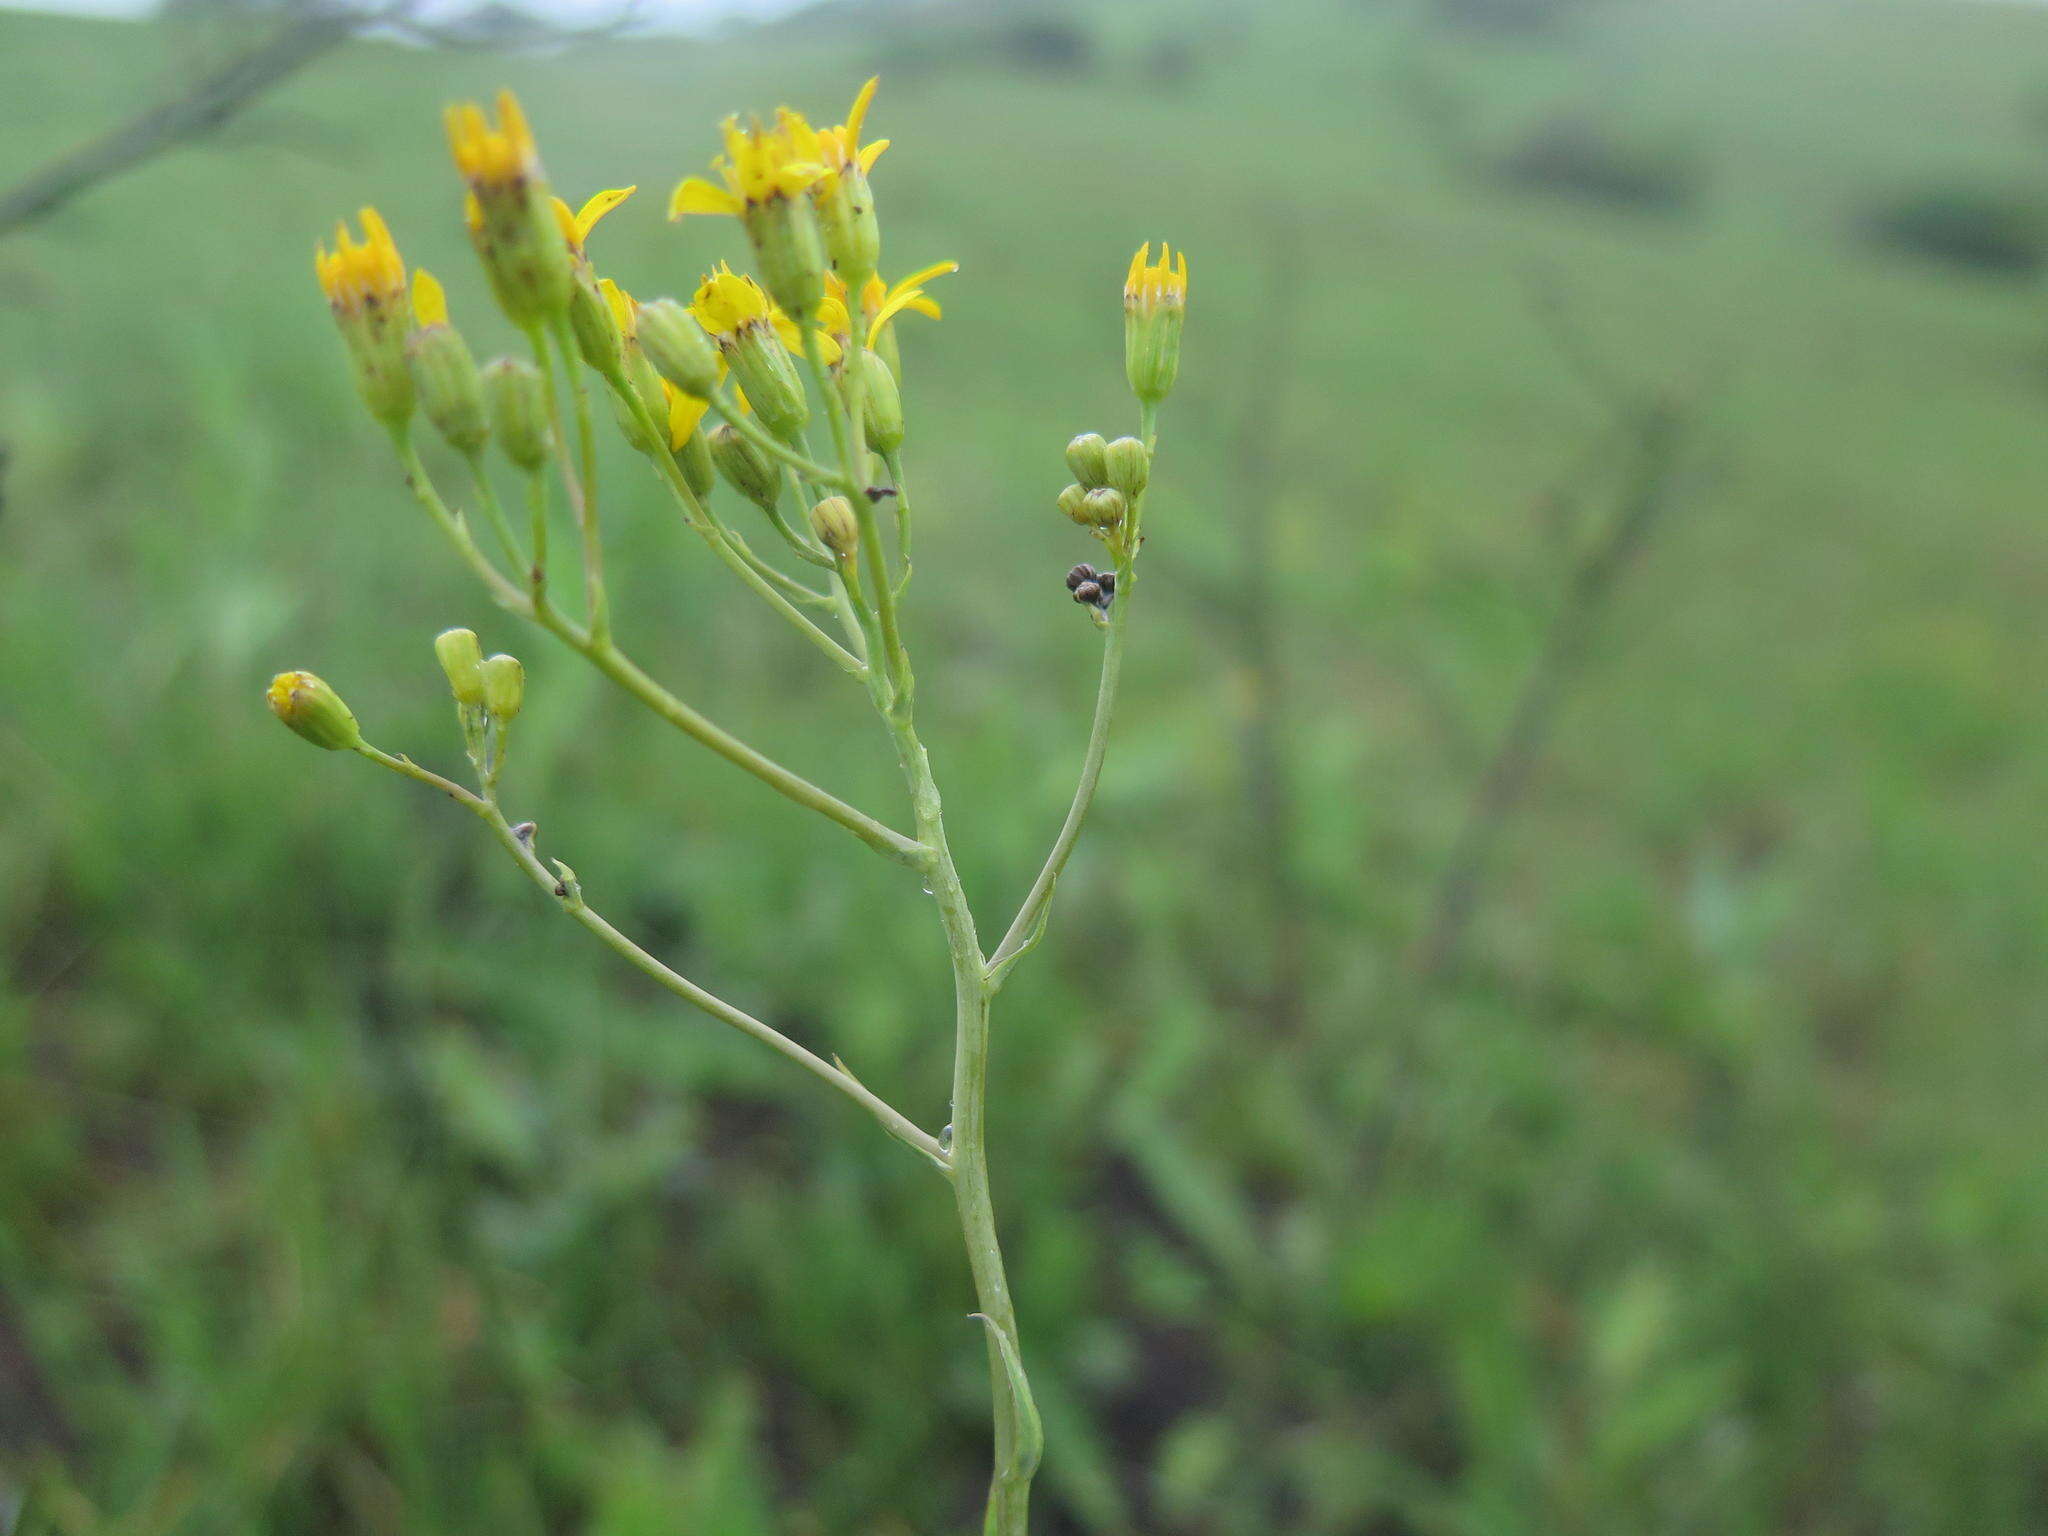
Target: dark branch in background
[[216, 98], [199, 109], [1655, 427]]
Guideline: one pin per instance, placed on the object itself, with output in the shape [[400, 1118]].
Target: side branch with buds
[[756, 359]]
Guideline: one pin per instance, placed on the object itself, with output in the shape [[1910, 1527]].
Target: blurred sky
[[684, 14]]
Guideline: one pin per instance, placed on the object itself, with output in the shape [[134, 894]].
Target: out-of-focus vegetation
[[342, 1187]]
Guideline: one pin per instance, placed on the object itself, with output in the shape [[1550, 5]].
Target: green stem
[[894, 463], [494, 511], [597, 606], [1029, 923], [851, 459], [562, 885], [608, 659], [537, 516], [744, 423], [713, 533]]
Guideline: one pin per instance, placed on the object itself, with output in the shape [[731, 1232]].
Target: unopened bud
[[313, 710], [1085, 459], [746, 468], [1103, 508], [846, 218], [645, 384], [451, 390], [518, 403], [504, 686], [694, 459], [882, 403], [677, 346], [761, 365], [788, 250], [1127, 466], [833, 521], [1073, 502], [593, 324], [463, 660]]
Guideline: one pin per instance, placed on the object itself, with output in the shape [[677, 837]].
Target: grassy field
[[345, 1188]]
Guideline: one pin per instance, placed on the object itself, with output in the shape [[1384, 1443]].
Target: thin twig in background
[[199, 109], [1656, 427], [216, 98]]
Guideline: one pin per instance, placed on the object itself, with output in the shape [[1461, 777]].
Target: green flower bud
[[677, 346], [833, 521], [882, 404], [746, 468], [1127, 467], [846, 218], [644, 382], [518, 403], [313, 710], [788, 251], [1103, 508], [504, 684], [1072, 501], [592, 323], [1085, 459], [463, 660], [450, 388], [694, 459], [761, 365]]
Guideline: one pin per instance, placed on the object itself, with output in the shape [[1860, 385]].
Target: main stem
[[1016, 1452]]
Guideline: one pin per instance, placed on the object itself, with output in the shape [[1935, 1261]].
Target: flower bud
[[593, 324], [313, 710], [833, 521], [846, 218], [694, 459], [1155, 306], [1102, 508], [882, 404], [1072, 502], [518, 402], [1085, 459], [645, 383], [1127, 467], [504, 684], [677, 346], [451, 390], [463, 660], [788, 251], [746, 468], [762, 367]]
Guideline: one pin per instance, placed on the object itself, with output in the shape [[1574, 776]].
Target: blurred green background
[[1667, 378]]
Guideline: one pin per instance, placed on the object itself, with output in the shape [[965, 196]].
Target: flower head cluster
[[510, 215], [365, 286]]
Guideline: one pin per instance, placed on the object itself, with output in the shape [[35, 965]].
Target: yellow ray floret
[[840, 148], [884, 305], [429, 299], [684, 412], [492, 155], [759, 164], [1154, 285], [576, 227], [356, 276]]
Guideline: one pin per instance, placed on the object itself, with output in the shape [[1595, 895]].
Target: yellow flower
[[494, 157], [365, 287], [684, 412], [1155, 307], [576, 227], [1156, 285], [759, 165], [840, 148], [728, 302], [729, 305], [358, 277], [881, 305], [429, 299], [508, 210]]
